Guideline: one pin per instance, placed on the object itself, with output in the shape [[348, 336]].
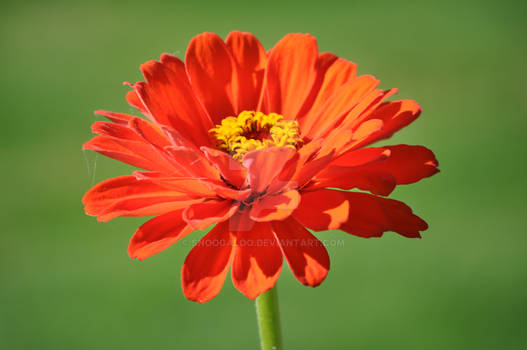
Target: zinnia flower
[[263, 145]]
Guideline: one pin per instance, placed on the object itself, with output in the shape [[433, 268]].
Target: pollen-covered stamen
[[250, 131]]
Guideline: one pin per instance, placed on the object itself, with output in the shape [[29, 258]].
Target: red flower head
[[256, 143]]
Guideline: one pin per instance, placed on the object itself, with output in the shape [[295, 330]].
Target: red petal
[[115, 130], [135, 129], [305, 254], [275, 207], [395, 116], [311, 169], [207, 264], [376, 182], [356, 170], [283, 181], [363, 132], [343, 139], [145, 207], [138, 154], [224, 191], [212, 72], [193, 163], [354, 119], [264, 165], [170, 100], [358, 119], [406, 164], [189, 186], [127, 196], [202, 215], [257, 260], [119, 118], [340, 103], [290, 74], [250, 58], [371, 216], [131, 144], [361, 157], [322, 210], [395, 165], [231, 170], [149, 132], [335, 141], [295, 166], [332, 73], [195, 186], [158, 234], [133, 100]]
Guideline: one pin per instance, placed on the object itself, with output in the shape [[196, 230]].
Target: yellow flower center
[[250, 131]]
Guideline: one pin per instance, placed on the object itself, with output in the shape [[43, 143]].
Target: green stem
[[268, 317]]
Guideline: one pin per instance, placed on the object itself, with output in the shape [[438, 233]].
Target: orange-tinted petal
[[121, 140], [275, 207], [113, 149], [193, 163], [128, 196], [290, 74], [395, 116], [322, 210], [257, 260], [170, 101], [111, 190], [332, 73], [158, 234], [250, 58], [150, 206], [187, 185], [295, 169], [119, 118], [343, 140], [149, 132], [133, 100], [264, 165], [223, 190], [306, 255], [207, 264], [202, 215], [195, 186], [355, 118], [307, 172], [283, 181], [334, 142], [115, 130], [231, 170], [212, 72], [334, 110]]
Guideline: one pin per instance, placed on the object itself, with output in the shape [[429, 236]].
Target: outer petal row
[[256, 258], [128, 196], [378, 170], [360, 214]]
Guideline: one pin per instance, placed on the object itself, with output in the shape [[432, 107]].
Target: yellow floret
[[236, 135]]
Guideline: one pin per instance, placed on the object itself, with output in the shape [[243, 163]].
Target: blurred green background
[[67, 282]]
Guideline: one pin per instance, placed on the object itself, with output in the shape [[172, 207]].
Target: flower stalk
[[268, 315]]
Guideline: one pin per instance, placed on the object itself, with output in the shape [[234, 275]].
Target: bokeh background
[[66, 281]]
